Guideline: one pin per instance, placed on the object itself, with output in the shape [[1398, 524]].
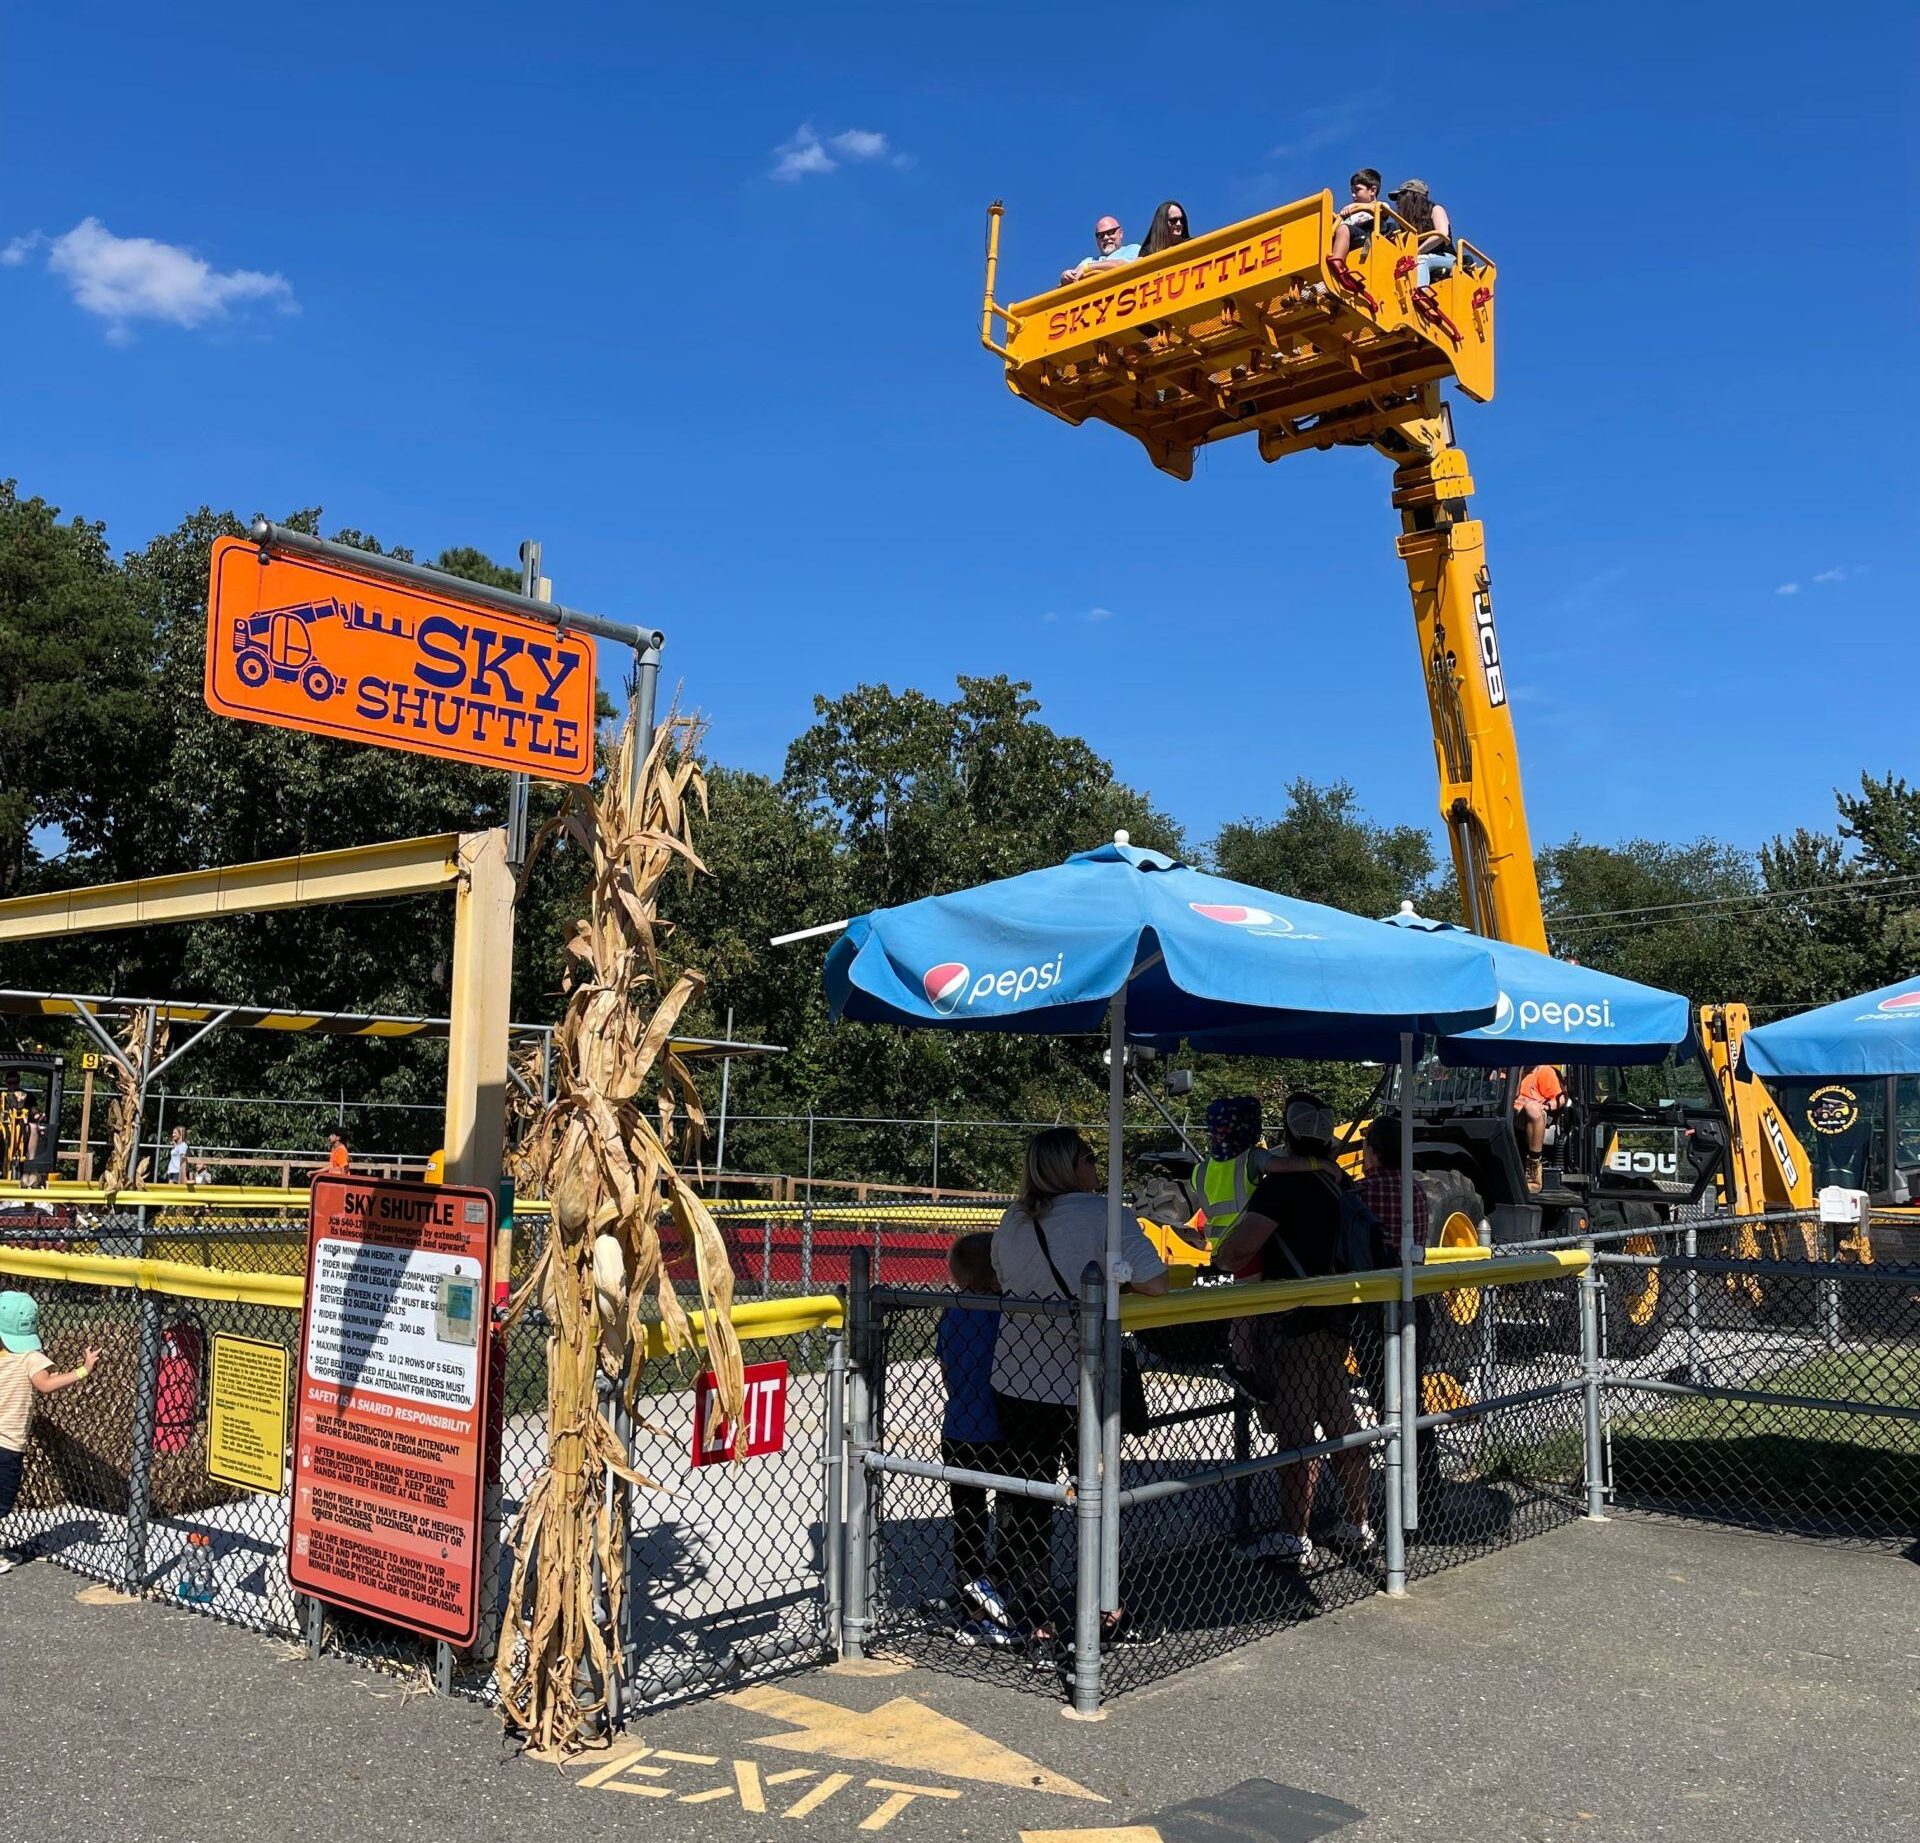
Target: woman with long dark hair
[[1041, 1248], [1413, 205], [1169, 227]]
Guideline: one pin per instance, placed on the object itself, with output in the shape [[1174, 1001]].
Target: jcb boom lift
[[1255, 330]]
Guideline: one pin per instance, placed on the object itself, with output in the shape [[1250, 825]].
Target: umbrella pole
[[1110, 1392], [1410, 1391]]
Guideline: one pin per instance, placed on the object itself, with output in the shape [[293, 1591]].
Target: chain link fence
[[1257, 1472], [1753, 1371], [729, 1563], [1777, 1394]]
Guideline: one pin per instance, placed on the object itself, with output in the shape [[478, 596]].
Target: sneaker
[[983, 1632], [1353, 1538], [8, 1563], [984, 1597], [1282, 1546]]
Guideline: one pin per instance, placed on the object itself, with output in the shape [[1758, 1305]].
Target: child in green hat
[[25, 1371]]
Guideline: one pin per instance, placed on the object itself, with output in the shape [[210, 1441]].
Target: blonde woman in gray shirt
[[1043, 1244]]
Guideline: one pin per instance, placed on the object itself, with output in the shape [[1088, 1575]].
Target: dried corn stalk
[[604, 1148], [123, 1111]]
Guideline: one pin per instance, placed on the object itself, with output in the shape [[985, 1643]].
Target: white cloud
[[1328, 125], [1098, 614], [1839, 573], [126, 279], [809, 153], [1788, 588], [20, 248]]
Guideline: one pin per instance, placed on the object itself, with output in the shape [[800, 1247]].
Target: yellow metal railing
[[1250, 1299], [759, 1322]]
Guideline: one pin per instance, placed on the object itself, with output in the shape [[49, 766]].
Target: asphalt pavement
[[1637, 1679]]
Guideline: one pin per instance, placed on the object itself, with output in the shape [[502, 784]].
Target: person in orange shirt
[[339, 1161], [1541, 1092]]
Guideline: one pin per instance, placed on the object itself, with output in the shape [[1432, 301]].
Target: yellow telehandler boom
[[1256, 329], [1252, 329]]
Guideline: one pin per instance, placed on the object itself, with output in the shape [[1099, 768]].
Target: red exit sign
[[763, 1423]]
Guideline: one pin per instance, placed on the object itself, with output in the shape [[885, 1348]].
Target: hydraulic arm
[[1467, 694]]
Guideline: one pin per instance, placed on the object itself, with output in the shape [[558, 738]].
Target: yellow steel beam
[[405, 867]]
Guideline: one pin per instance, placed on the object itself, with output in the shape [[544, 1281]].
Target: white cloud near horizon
[[124, 280], [1841, 572], [809, 152]]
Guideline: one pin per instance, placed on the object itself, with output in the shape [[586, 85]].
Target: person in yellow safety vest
[[1224, 1183]]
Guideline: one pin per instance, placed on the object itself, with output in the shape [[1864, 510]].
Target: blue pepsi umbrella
[[1216, 962], [1553, 1011], [1877, 1033]]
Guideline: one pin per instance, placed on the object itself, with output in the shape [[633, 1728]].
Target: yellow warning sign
[[247, 1414]]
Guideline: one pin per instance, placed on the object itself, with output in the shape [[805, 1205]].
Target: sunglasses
[[1085, 1158]]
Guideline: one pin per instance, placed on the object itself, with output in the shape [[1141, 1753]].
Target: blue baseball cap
[[19, 1323]]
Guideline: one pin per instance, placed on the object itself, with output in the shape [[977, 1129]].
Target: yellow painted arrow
[[909, 1736]]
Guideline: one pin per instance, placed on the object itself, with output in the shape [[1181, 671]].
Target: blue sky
[[478, 273]]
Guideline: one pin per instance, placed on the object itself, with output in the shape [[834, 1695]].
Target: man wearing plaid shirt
[[1380, 1191]]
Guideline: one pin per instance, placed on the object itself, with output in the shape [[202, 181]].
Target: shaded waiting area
[[1169, 1508]]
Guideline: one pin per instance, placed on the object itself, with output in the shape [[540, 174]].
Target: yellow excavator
[[1258, 329]]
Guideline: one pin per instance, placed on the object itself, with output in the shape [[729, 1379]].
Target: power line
[[1851, 885], [1632, 920]]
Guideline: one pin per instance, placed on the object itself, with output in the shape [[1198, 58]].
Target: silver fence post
[[1487, 1383], [1692, 1246], [1090, 1498], [1396, 1449], [766, 1256], [316, 1628], [833, 1517], [854, 1609], [146, 1404], [1830, 1287], [1590, 1364], [1110, 1466]]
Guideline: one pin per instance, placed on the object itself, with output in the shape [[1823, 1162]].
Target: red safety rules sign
[[390, 1433], [763, 1423]]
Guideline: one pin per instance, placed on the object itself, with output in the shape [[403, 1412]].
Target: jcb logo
[[1789, 1169], [1489, 645], [1645, 1164]]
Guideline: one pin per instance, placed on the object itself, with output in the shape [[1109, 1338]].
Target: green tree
[[73, 672], [890, 796], [1324, 848]]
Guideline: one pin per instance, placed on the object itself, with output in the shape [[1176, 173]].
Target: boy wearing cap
[[25, 1371]]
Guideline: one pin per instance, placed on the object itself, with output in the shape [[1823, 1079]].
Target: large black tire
[[1639, 1300], [1450, 1366]]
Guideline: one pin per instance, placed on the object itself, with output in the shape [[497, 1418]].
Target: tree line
[[112, 767]]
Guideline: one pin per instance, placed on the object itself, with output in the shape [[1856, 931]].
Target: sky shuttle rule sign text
[[391, 1404], [309, 644]]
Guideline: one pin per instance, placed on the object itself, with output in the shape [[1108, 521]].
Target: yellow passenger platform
[[1251, 328]]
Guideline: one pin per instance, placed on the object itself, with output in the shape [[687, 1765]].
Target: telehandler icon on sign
[[278, 643]]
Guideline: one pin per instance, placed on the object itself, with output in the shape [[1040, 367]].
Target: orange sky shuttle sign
[[309, 644]]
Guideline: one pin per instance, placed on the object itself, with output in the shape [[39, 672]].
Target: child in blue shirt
[[970, 1434]]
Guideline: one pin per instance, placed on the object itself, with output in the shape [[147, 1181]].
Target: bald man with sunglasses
[[1110, 252]]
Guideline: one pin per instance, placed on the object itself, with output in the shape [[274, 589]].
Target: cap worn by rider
[[1417, 187]]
